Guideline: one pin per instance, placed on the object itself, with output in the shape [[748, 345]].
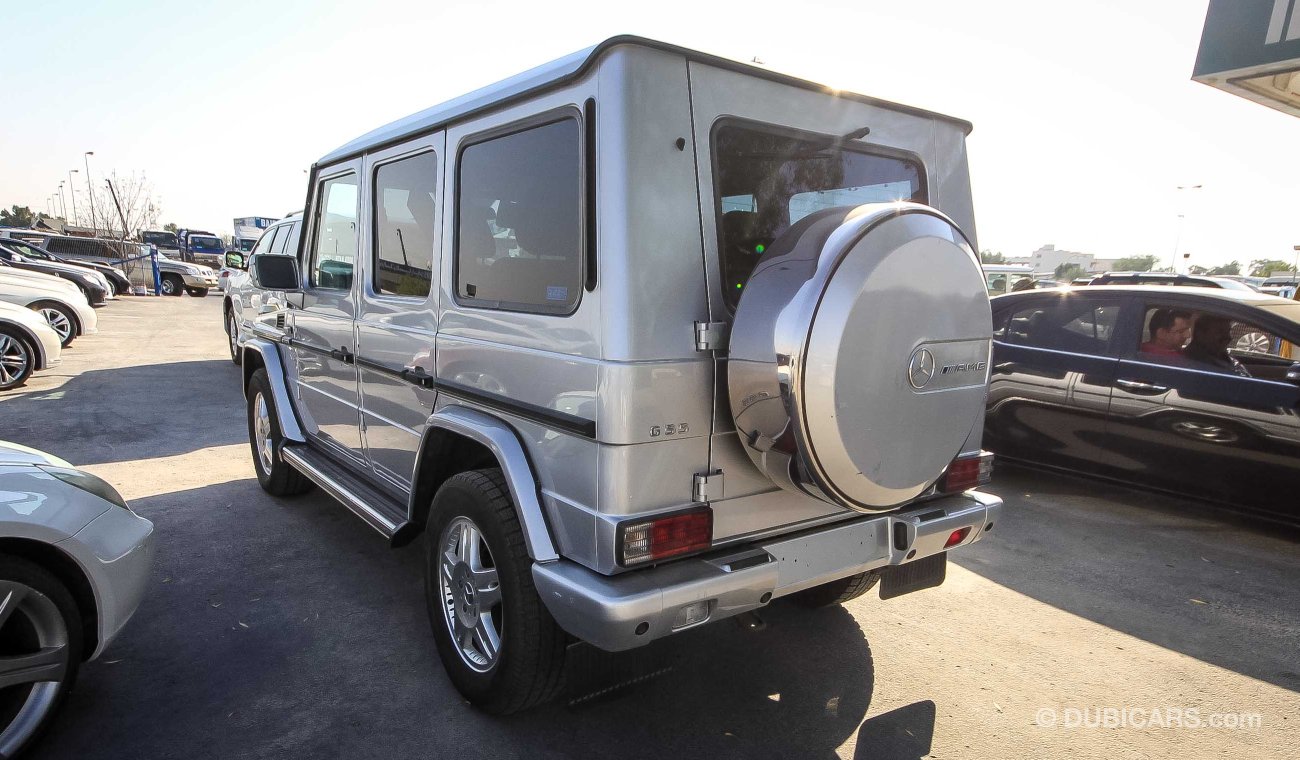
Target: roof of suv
[[564, 70], [1248, 297], [1195, 280]]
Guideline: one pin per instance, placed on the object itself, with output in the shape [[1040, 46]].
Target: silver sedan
[[74, 563]]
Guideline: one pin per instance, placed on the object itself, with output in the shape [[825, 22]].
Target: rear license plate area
[[914, 576]]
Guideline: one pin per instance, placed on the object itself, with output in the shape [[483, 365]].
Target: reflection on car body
[[1078, 383]]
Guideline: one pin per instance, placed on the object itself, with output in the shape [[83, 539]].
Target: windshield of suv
[[766, 180], [205, 241]]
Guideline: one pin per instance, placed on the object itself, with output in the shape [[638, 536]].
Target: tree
[[1266, 267], [17, 216], [1069, 271], [991, 257], [134, 208], [1232, 267], [170, 227], [1136, 263]]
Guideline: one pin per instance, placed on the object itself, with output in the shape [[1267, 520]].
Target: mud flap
[[913, 576]]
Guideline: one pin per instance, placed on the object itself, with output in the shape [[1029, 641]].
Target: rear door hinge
[[710, 336], [708, 486]]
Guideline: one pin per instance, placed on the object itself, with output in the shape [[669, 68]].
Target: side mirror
[[1293, 374], [235, 260], [276, 273]]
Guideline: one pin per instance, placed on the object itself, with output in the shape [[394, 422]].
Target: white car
[[74, 565], [27, 344], [62, 305]]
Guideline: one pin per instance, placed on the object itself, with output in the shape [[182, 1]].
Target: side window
[[281, 239], [1070, 325], [334, 255], [263, 243], [291, 234], [404, 226], [519, 220]]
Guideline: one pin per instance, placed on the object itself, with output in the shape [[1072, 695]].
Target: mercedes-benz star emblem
[[921, 368]]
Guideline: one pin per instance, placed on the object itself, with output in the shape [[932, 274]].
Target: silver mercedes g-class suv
[[639, 340]]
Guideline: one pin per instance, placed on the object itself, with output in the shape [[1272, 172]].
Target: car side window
[[1206, 340], [281, 239], [1073, 325], [334, 253], [519, 240], [405, 203], [263, 243]]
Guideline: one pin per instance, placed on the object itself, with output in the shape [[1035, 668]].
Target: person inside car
[[1209, 346], [1169, 331]]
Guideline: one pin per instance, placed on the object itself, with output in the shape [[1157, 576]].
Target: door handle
[[1004, 367], [418, 376], [1140, 386]]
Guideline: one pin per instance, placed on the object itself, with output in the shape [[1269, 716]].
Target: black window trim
[[534, 121], [307, 243], [855, 145], [373, 263]]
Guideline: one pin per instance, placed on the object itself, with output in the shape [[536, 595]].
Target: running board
[[380, 511]]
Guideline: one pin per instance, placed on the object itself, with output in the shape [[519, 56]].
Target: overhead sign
[[1252, 48]]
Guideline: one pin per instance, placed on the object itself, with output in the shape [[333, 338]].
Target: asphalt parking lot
[[287, 628]]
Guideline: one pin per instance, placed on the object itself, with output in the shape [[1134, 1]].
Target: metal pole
[[72, 190], [63, 203], [1179, 236], [90, 194]]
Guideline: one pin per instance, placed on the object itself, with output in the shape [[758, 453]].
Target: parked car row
[[45, 304], [130, 260]]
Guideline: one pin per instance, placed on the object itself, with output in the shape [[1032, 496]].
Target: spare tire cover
[[858, 357]]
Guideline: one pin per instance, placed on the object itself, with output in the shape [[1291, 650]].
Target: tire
[[527, 667], [40, 620], [232, 331], [60, 318], [172, 285], [273, 473], [17, 359], [836, 592], [197, 292]]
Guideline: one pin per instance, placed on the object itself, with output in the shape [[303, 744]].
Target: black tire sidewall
[[460, 497], [177, 285], [31, 357], [232, 330], [33, 575], [260, 383], [67, 314]]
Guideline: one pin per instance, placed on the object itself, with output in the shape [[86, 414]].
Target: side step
[[380, 511]]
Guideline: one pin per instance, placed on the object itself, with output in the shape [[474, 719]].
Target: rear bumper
[[626, 611]]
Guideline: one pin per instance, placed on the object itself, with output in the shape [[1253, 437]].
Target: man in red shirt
[[1170, 329]]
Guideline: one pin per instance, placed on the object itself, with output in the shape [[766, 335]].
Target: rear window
[[767, 180]]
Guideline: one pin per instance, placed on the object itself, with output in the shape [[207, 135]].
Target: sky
[[1086, 118]]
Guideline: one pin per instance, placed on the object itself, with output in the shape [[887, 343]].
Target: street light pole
[[72, 190], [90, 194], [1179, 235], [63, 203]]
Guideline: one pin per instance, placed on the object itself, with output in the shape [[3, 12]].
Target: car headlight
[[192, 270], [86, 482]]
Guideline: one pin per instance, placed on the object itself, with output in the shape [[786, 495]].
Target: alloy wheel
[[233, 330], [14, 360], [262, 431], [471, 594], [59, 321], [34, 662]]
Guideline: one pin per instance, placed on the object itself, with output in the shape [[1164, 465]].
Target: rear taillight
[[966, 472], [660, 538]]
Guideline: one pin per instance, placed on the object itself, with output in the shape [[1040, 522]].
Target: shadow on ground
[[287, 628], [1207, 583], [128, 413]]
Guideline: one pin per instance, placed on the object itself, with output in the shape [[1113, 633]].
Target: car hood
[[14, 453]]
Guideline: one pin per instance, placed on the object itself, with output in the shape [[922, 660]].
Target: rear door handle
[[1140, 386], [343, 355]]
